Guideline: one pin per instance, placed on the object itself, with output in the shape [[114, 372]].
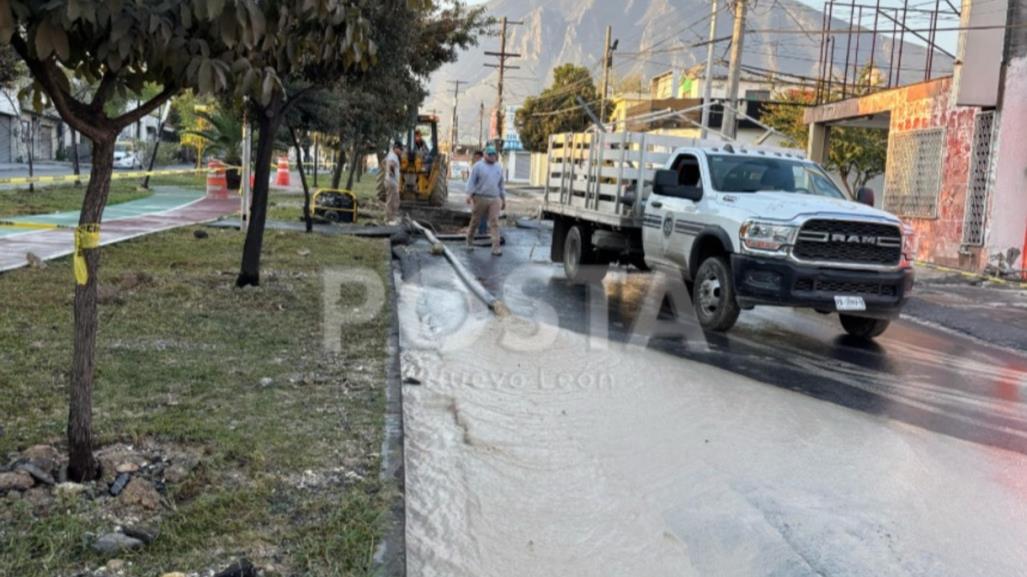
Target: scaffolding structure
[[865, 47]]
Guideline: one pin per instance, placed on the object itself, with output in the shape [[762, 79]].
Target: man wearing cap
[[485, 187], [393, 176]]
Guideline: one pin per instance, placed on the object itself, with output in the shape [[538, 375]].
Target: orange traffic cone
[[217, 184], [282, 179]]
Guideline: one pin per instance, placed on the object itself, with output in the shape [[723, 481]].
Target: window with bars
[[979, 187], [913, 175]]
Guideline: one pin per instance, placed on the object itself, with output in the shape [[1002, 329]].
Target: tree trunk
[[316, 156], [82, 466], [153, 155], [303, 179], [74, 156], [352, 166], [361, 167], [337, 173], [31, 152], [268, 120]]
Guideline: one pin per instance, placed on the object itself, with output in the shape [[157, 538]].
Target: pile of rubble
[[130, 493]]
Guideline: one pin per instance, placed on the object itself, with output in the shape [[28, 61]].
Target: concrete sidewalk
[[168, 208]]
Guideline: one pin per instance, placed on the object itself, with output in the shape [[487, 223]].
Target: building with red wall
[[957, 146]]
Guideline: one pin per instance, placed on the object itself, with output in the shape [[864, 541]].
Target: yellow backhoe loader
[[425, 168]]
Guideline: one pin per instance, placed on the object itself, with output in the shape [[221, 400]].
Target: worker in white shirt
[[393, 178]]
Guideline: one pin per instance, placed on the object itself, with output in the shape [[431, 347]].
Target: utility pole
[[481, 126], [707, 84], [608, 47], [734, 70], [454, 131], [502, 55]]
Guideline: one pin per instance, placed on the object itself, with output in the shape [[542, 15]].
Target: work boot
[[497, 252]]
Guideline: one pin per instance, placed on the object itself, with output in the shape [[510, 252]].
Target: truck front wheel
[[579, 262], [713, 295], [863, 327]]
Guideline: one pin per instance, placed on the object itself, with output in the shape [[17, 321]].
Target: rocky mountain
[[654, 36]]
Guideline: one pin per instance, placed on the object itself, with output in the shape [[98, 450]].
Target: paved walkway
[[167, 208]]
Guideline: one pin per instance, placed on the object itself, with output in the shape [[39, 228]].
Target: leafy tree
[[556, 109], [118, 46], [221, 130], [11, 68], [857, 154], [369, 110], [306, 44]]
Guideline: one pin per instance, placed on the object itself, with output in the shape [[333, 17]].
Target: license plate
[[846, 303]]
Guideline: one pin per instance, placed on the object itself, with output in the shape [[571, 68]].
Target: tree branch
[[71, 110], [104, 90], [143, 109], [296, 97]]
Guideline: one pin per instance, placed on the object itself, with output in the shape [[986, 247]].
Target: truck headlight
[[766, 237]]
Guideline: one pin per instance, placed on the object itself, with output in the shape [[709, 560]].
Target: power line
[[502, 56]]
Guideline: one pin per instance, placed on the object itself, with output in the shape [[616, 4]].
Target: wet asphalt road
[[913, 374]]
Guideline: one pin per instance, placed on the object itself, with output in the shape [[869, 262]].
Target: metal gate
[[912, 180], [44, 143], [979, 187], [5, 138]]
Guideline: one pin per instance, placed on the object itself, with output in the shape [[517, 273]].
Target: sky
[[945, 40]]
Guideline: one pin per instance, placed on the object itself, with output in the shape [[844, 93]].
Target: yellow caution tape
[[87, 236], [114, 176], [971, 275], [34, 225]]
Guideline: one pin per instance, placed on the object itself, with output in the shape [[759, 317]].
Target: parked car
[[126, 159]]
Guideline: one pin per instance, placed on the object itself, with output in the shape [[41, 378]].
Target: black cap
[[397, 144]]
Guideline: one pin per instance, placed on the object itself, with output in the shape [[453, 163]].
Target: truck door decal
[[687, 228]]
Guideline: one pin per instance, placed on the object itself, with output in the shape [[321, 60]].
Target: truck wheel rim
[[709, 295]]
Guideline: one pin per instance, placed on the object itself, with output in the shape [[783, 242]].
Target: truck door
[[683, 213], [654, 239], [671, 223]]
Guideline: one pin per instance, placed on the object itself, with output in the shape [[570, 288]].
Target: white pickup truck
[[743, 226]]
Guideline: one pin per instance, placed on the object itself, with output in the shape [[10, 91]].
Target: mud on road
[[556, 442]]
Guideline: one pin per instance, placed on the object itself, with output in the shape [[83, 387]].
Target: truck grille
[[849, 242]]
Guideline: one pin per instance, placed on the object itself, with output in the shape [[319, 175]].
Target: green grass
[[64, 197], [181, 354]]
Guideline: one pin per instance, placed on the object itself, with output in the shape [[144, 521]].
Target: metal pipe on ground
[[495, 305]]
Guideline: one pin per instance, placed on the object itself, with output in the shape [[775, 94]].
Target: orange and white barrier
[[217, 184], [282, 178]]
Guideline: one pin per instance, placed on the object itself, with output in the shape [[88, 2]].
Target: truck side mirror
[[865, 195], [665, 183]]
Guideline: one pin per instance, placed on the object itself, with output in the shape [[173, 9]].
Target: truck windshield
[[743, 173]]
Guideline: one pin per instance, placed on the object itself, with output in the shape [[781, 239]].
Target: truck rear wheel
[[713, 295], [863, 327], [579, 259]]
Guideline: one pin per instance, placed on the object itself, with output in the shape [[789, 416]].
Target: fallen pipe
[[437, 248]]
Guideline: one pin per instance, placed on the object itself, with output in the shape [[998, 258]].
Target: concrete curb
[[390, 557]]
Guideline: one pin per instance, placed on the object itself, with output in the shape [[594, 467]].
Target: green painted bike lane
[[159, 201]]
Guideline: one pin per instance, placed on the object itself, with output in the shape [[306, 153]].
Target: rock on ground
[[113, 543], [43, 456], [37, 473], [141, 492], [16, 481], [69, 489]]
